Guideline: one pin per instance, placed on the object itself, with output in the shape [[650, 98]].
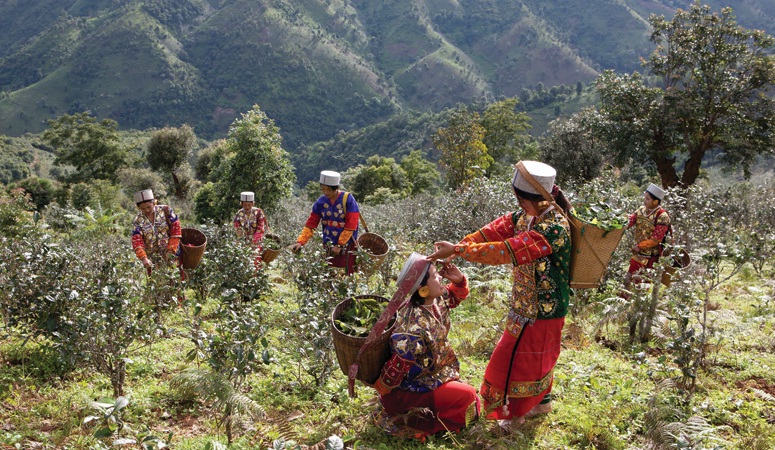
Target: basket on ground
[[193, 243], [592, 249], [376, 247], [272, 246], [347, 346], [679, 261]]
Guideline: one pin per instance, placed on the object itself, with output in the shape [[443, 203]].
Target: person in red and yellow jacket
[[156, 232], [651, 224]]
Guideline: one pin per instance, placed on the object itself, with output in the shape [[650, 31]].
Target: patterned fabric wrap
[[532, 369], [540, 255], [251, 227], [153, 237], [422, 358], [452, 406], [650, 229], [338, 227]]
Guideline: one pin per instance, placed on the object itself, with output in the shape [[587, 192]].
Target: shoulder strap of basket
[[360, 215], [396, 302]]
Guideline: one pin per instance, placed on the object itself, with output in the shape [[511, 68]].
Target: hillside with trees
[[316, 68], [100, 349]]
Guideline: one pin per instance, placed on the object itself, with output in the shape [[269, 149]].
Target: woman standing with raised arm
[[536, 241]]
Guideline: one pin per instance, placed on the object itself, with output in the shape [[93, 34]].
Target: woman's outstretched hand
[[452, 273], [444, 250]]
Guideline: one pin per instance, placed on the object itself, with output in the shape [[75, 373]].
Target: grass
[[604, 398]]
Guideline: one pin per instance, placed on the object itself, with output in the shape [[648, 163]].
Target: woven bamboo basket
[[592, 249], [680, 260], [193, 243], [347, 346], [374, 246], [268, 254]]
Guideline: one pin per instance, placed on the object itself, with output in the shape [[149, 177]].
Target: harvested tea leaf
[[272, 242], [602, 215], [358, 319]]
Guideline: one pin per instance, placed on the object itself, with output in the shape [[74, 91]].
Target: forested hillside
[[316, 67]]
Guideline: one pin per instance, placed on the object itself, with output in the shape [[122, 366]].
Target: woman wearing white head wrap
[[419, 387], [250, 224], [651, 224], [536, 241]]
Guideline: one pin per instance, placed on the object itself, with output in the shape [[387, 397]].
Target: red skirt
[[532, 369], [345, 259], [450, 407]]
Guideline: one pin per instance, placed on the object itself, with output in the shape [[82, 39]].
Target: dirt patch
[[757, 383]]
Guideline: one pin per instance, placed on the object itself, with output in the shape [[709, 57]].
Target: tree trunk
[[666, 170], [692, 166]]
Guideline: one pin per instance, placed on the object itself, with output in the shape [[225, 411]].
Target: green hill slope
[[316, 67]]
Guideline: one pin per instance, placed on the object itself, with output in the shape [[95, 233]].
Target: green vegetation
[[249, 359]]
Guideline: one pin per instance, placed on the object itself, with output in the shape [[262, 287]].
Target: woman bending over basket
[[536, 241], [419, 388]]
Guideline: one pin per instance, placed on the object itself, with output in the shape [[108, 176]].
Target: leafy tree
[[136, 179], [505, 130], [377, 173], [14, 163], [422, 174], [257, 162], [573, 148], [715, 77], [168, 152], [92, 148], [41, 191], [464, 155]]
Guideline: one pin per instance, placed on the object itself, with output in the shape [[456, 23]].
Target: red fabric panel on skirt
[[345, 259], [447, 406], [536, 356]]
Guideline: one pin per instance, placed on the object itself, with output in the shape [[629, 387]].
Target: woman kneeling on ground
[[419, 388]]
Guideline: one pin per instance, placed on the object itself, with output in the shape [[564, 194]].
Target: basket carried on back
[[347, 346], [592, 249], [192, 243], [376, 247], [679, 261], [269, 254]]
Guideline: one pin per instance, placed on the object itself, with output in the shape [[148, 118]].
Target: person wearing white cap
[[652, 224], [156, 231], [250, 224], [536, 242], [423, 373], [338, 211]]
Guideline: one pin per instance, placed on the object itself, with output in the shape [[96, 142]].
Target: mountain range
[[316, 67]]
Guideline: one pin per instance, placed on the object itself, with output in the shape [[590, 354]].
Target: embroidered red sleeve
[[457, 293], [631, 219], [138, 245]]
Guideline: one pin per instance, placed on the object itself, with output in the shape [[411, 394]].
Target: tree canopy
[[254, 160], [92, 148], [714, 80], [464, 155]]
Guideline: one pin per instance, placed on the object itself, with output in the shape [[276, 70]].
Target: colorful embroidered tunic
[[650, 229], [152, 238], [340, 220], [250, 226], [419, 387], [540, 256], [422, 358], [522, 364]]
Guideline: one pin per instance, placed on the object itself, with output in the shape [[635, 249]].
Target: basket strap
[[397, 302], [360, 216]]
